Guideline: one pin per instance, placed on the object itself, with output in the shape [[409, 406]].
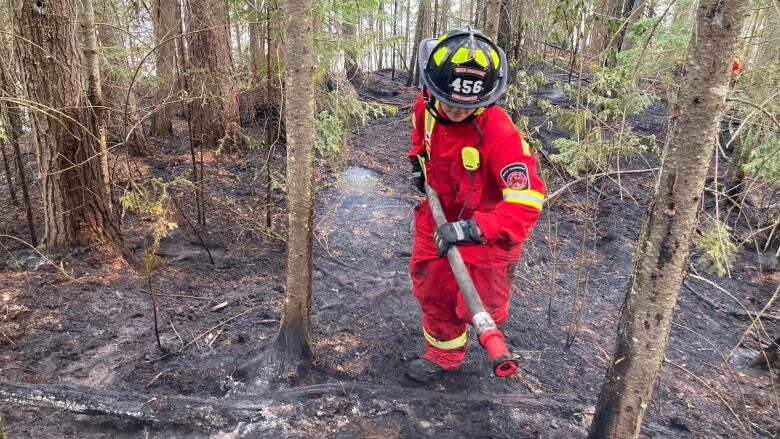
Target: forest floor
[[94, 329]]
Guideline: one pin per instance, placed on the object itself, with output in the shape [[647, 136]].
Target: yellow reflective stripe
[[439, 55], [495, 57], [528, 197], [479, 111], [480, 58], [430, 122], [526, 149], [455, 343], [461, 56]]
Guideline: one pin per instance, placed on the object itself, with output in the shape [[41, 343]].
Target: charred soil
[[92, 328]]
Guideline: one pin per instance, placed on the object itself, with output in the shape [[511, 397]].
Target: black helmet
[[463, 68]]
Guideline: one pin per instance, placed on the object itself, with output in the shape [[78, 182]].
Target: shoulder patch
[[515, 176]]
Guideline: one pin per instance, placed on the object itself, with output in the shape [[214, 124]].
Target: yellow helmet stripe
[[439, 55], [461, 55], [495, 57], [480, 58]]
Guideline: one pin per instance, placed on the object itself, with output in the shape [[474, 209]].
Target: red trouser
[[445, 313]]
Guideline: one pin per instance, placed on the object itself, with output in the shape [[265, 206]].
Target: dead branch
[[567, 186], [726, 310]]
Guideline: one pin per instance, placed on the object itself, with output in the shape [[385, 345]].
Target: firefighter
[[737, 69], [469, 151]]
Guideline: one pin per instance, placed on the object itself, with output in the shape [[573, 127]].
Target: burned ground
[[94, 329]]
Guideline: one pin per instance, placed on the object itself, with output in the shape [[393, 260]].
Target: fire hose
[[490, 337]]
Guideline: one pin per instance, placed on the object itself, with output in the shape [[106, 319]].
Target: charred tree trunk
[[664, 241], [295, 332], [165, 31], [215, 116], [292, 345], [492, 18], [75, 202]]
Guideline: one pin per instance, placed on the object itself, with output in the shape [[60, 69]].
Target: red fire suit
[[504, 196]]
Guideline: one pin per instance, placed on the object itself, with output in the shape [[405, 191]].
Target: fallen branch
[[567, 186], [221, 412], [724, 309]]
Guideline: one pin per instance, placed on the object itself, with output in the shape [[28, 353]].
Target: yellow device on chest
[[470, 156]]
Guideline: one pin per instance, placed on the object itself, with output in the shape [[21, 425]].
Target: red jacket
[[504, 195]]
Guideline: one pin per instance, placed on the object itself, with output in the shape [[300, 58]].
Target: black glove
[[418, 176], [452, 233]]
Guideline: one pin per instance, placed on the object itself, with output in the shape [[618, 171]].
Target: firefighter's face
[[456, 114]]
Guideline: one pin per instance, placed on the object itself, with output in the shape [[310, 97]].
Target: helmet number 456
[[466, 86]]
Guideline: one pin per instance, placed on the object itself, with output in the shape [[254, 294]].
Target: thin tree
[[349, 31], [422, 19], [95, 90], [9, 178], [293, 341], [395, 42], [165, 29], [292, 345], [13, 130], [75, 202], [255, 44], [407, 57], [662, 253], [123, 120]]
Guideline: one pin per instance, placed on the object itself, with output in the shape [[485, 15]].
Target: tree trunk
[[123, 120], [662, 253], [8, 175], [75, 203], [422, 18], [182, 58], [505, 23], [255, 46], [13, 130], [350, 54], [492, 18], [95, 92], [395, 43], [295, 332], [444, 20], [408, 58], [435, 18], [215, 116], [165, 31]]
